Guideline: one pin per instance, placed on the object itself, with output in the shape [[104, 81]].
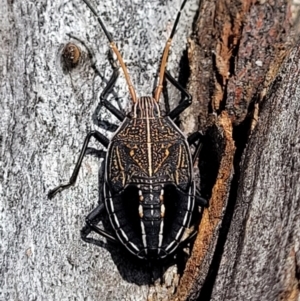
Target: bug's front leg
[[99, 137], [120, 115], [187, 98]]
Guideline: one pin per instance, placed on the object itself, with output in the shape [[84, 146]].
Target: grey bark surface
[[261, 258], [46, 113]]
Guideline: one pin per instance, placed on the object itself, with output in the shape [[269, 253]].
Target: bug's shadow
[[132, 269], [210, 159]]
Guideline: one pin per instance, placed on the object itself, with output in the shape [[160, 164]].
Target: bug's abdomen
[[166, 213], [150, 219]]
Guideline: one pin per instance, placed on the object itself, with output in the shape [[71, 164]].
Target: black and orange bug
[[149, 185]]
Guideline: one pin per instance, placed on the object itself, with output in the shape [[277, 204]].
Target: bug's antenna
[[165, 55], [115, 50]]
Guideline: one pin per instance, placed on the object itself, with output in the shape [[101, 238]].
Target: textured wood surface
[[262, 257]]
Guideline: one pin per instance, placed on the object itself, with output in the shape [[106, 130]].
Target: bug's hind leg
[[92, 220], [187, 98], [120, 115], [99, 137], [200, 201]]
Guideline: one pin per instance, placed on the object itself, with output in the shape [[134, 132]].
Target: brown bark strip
[[212, 216], [201, 63], [229, 20]]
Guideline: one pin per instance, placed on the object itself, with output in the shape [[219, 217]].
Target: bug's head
[[146, 107]]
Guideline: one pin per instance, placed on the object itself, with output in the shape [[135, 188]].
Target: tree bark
[[244, 100], [261, 255], [235, 56]]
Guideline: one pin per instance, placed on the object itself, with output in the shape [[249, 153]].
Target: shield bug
[[149, 185]]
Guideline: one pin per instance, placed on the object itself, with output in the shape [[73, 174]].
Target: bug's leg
[[187, 98], [192, 235], [197, 136], [92, 220], [110, 83], [193, 138], [166, 97], [99, 137], [120, 115], [200, 201]]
